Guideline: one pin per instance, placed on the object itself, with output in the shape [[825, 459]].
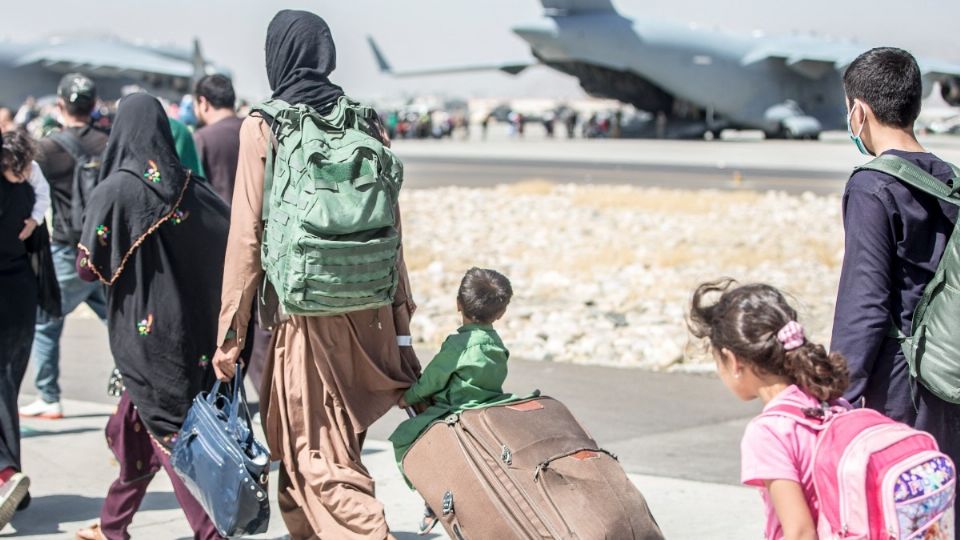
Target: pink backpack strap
[[800, 415]]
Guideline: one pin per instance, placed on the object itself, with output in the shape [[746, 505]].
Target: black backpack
[[86, 174]]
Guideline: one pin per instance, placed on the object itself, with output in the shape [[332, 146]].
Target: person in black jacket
[[895, 238], [18, 296], [76, 99]]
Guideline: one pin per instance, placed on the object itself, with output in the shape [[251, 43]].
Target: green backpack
[[932, 349], [330, 241]]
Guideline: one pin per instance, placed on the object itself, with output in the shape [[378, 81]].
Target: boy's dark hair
[[80, 108], [889, 80], [745, 320], [18, 150], [484, 294], [217, 90]]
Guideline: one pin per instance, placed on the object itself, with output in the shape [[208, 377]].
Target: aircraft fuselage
[[656, 65]]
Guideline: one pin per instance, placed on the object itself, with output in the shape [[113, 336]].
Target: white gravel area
[[604, 274]]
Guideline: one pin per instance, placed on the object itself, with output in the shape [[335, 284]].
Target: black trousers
[[18, 312]]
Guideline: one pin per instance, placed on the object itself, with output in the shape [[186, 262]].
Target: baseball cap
[[77, 88]]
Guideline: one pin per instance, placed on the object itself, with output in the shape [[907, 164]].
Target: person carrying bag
[[222, 463]]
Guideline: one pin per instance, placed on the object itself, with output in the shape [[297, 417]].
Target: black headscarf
[[158, 239], [300, 57], [140, 150]]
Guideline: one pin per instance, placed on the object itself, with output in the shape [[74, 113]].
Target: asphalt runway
[[427, 172], [820, 167]]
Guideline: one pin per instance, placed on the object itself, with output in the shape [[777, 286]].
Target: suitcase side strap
[[581, 454]]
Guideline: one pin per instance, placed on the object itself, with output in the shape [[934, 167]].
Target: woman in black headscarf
[[328, 378], [301, 56], [155, 237]]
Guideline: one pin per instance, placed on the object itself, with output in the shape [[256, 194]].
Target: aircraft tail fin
[[378, 55], [198, 61], [573, 7]]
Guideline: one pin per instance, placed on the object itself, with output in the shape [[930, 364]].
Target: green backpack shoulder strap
[[271, 107], [268, 179], [914, 176]]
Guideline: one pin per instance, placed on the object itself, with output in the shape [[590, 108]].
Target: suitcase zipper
[[537, 477], [462, 435], [556, 509], [506, 458]]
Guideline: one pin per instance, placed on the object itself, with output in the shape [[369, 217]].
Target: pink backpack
[[876, 478]]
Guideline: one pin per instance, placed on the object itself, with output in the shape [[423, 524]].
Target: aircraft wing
[[809, 57], [106, 57], [569, 7], [937, 68], [813, 58], [511, 68]]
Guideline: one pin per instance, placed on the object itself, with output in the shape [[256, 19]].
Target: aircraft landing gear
[[711, 135]]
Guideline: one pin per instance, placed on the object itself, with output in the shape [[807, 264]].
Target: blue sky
[[421, 33]]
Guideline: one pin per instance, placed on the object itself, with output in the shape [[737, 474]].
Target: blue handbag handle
[[233, 405]]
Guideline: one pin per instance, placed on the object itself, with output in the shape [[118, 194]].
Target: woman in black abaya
[[156, 238]]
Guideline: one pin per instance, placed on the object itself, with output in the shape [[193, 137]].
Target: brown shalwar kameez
[[327, 378]]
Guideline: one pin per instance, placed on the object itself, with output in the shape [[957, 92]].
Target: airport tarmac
[[738, 162]]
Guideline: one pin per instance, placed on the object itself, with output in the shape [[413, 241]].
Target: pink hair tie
[[791, 336]]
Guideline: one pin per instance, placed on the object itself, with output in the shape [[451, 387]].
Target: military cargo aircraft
[[34, 69], [695, 80]]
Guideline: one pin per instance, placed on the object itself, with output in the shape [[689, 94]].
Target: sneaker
[[12, 493], [42, 409], [25, 503]]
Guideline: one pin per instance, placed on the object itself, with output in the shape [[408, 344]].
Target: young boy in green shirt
[[469, 370]]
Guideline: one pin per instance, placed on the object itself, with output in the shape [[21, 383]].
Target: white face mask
[[856, 138]]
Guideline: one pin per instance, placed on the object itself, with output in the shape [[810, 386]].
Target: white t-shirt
[[41, 189]]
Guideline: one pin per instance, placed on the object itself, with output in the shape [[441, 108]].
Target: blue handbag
[[222, 464]]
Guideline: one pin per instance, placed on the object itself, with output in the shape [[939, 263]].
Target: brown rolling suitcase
[[526, 470]]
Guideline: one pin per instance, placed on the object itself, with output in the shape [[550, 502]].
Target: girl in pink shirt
[[761, 352]]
